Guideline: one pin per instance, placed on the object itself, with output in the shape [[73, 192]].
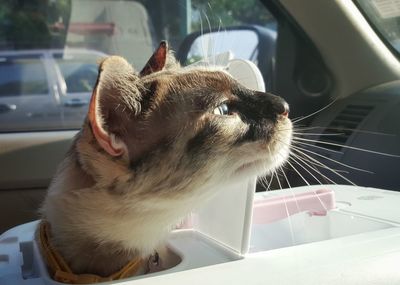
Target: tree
[[25, 24], [225, 13]]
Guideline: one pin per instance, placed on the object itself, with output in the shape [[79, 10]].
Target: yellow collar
[[61, 272]]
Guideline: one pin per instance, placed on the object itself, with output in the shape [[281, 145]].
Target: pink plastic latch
[[271, 209]]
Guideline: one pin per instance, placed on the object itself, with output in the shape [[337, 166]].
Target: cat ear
[[157, 60], [105, 140], [108, 105]]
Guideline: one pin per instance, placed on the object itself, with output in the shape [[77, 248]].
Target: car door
[[29, 150], [27, 98]]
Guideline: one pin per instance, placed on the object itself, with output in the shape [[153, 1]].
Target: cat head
[[169, 129]]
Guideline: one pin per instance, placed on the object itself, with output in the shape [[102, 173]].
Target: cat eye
[[221, 110]]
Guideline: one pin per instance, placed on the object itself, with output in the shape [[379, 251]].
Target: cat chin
[[260, 167], [266, 165]]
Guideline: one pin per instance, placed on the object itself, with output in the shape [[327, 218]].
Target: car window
[[22, 76], [69, 37], [79, 76]]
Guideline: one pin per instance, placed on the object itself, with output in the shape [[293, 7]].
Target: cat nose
[[280, 106], [272, 105]]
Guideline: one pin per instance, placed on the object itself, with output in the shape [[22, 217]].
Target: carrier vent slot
[[29, 268]]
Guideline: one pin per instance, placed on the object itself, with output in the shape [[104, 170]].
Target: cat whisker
[[330, 169], [332, 160], [284, 175], [215, 43], [281, 169], [316, 146], [205, 57], [287, 210], [210, 45], [270, 182], [316, 112], [342, 129], [301, 151], [278, 180], [317, 134], [320, 164], [302, 127], [219, 27], [303, 167], [316, 195], [217, 33], [303, 160], [297, 161], [272, 176], [317, 162], [348, 147], [266, 183], [290, 187], [301, 176]]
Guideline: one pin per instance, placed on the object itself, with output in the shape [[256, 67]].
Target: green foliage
[[26, 24], [30, 23], [224, 13]]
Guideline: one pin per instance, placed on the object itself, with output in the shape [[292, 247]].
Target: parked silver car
[[45, 89]]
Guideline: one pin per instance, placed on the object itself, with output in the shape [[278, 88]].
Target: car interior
[[330, 60]]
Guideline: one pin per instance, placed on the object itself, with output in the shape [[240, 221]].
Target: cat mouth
[[276, 153], [260, 167]]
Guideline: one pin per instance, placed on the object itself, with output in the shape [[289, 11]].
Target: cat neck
[[93, 232]]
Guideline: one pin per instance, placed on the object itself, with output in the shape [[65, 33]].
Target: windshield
[[52, 48], [384, 16]]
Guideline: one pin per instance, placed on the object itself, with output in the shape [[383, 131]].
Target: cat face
[[174, 129]]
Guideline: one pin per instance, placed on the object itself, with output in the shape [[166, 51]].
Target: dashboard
[[367, 120]]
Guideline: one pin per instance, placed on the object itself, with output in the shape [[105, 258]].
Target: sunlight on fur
[[153, 146]]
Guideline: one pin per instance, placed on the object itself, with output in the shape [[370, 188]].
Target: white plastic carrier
[[240, 237]]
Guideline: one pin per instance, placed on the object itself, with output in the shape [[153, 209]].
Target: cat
[[155, 145]]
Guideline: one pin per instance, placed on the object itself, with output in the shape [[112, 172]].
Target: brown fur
[[105, 210]]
